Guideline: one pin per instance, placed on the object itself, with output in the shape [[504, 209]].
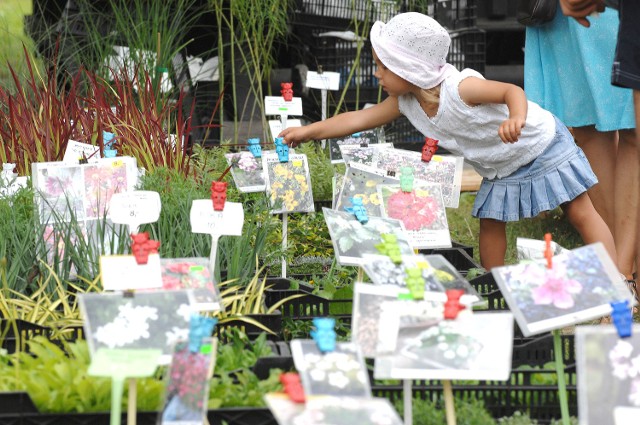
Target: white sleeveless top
[[472, 131]]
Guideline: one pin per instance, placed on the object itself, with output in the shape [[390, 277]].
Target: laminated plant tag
[[276, 105], [360, 181], [341, 372], [445, 170], [204, 219], [143, 320], [367, 307], [324, 81], [334, 410], [608, 382], [195, 274], [288, 184], [123, 273], [77, 150], [425, 346], [533, 249], [352, 240], [580, 286], [363, 138], [361, 154], [275, 126], [246, 171], [422, 211], [124, 362], [188, 380], [135, 208]]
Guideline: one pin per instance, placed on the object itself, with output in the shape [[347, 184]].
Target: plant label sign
[[188, 380], [226, 222], [135, 208], [125, 362], [324, 81], [77, 150], [246, 171], [340, 372], [195, 274], [276, 105], [608, 380], [122, 273], [275, 126], [8, 187]]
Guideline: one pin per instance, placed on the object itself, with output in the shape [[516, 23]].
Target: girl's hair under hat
[[415, 47]]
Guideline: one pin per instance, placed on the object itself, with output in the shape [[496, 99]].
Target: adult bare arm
[[344, 124]]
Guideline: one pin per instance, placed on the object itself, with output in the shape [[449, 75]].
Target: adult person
[[566, 72]]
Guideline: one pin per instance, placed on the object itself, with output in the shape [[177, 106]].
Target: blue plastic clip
[[200, 327], [358, 210], [406, 179], [282, 149], [622, 317], [108, 139], [254, 147], [324, 334]]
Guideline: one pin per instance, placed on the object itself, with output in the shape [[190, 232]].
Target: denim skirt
[[558, 175]]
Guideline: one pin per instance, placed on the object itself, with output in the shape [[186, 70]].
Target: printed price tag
[[326, 80], [226, 222], [75, 151], [123, 273], [135, 208], [276, 105]]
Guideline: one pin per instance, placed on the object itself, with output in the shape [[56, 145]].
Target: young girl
[[528, 159]]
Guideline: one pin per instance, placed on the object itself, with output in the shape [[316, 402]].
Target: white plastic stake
[[408, 399], [285, 230]]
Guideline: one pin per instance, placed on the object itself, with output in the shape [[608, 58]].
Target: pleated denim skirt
[[558, 175]]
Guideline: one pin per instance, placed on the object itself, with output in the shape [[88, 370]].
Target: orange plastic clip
[[548, 252], [452, 307], [292, 386]]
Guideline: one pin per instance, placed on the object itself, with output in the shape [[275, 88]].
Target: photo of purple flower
[[246, 171]]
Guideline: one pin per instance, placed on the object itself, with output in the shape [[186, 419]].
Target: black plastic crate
[[241, 416], [270, 321], [468, 49], [306, 307], [11, 340], [452, 14], [539, 350], [342, 14], [487, 287]]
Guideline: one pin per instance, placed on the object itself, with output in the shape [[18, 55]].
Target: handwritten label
[[135, 208], [325, 81], [122, 273], [226, 222], [76, 150], [276, 105]]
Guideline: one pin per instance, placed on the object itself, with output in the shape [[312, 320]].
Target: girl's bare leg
[[627, 174], [492, 243], [592, 228]]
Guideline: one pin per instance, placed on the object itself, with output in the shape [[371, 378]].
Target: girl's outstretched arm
[[344, 124], [476, 91]]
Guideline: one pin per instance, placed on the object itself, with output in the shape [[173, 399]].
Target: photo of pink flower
[[558, 291]]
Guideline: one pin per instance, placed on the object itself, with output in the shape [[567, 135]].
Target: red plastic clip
[[287, 91], [548, 252], [292, 386], [429, 149], [452, 307], [218, 195], [142, 246]]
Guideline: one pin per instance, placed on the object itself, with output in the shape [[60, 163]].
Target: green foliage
[[321, 170], [242, 389], [240, 353], [428, 412], [518, 418]]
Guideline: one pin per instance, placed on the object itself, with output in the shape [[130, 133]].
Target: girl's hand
[[510, 129], [293, 136]]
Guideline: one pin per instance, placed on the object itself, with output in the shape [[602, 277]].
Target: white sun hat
[[415, 47]]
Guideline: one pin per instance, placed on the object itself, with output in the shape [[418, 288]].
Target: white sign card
[[580, 286], [323, 410], [135, 208], [276, 105], [10, 182], [340, 372], [472, 346], [323, 81], [77, 150], [275, 126], [149, 319], [122, 273], [204, 219], [608, 378]]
